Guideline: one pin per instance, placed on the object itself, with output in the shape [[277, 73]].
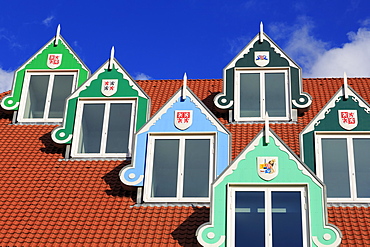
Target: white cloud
[[47, 21], [353, 58], [142, 76], [319, 60], [6, 80]]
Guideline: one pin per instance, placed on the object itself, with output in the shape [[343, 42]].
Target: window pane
[[275, 94], [250, 95], [361, 147], [250, 218], [165, 167], [36, 97], [62, 88], [335, 167], [286, 218], [196, 168], [91, 128], [119, 128]]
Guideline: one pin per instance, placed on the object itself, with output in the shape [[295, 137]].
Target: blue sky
[[163, 39]]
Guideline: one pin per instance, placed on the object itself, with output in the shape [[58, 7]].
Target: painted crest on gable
[[348, 119], [267, 167], [109, 87], [54, 60], [183, 119], [261, 58]]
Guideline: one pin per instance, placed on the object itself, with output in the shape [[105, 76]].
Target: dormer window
[[103, 128], [178, 153], [43, 83], [336, 144], [259, 91], [44, 95], [260, 79], [185, 162], [102, 115]]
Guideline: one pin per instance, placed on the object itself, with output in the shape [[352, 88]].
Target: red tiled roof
[[49, 201]]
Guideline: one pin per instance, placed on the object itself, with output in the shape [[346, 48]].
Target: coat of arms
[[267, 167], [183, 119], [348, 119], [261, 58], [109, 87], [54, 60]]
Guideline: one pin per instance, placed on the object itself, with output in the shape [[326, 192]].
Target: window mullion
[[268, 218], [351, 168], [103, 143], [262, 95], [180, 174], [48, 96]]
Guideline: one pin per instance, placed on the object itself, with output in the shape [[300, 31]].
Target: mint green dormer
[[42, 84], [102, 115], [268, 197]]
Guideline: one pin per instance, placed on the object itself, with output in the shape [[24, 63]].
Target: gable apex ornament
[[345, 86], [57, 36], [348, 119]]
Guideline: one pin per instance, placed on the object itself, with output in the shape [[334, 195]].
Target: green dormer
[[42, 84], [102, 115], [262, 78]]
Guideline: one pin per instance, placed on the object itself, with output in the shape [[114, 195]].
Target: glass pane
[[286, 218], [250, 95], [335, 167], [361, 149], [62, 88], [119, 128], [275, 94], [250, 218], [36, 98], [196, 168], [165, 167], [91, 128]]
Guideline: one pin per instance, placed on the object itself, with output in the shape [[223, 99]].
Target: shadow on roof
[[50, 146], [185, 233], [117, 188]]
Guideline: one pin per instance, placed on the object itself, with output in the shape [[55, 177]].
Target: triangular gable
[[277, 59], [163, 122], [245, 171], [328, 119], [39, 62], [126, 88]]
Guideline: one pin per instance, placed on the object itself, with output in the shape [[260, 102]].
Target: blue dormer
[[179, 152]]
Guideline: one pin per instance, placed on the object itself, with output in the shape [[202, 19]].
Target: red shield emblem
[[183, 119], [109, 87], [54, 60], [348, 119]]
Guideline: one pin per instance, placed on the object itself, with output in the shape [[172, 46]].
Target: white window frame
[[261, 72], [149, 167], [351, 165], [78, 122], [232, 189], [25, 88]]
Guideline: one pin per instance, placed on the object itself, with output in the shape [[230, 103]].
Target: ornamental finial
[[267, 128], [184, 80], [57, 36], [261, 32], [345, 86], [111, 58]]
